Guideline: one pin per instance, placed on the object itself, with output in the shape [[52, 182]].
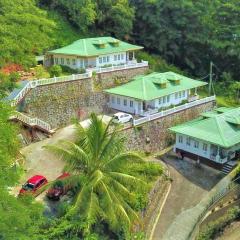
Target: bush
[[55, 70], [156, 63], [215, 227], [68, 70]]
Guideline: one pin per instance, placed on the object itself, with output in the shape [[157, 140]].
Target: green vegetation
[[214, 228], [112, 182], [21, 213]]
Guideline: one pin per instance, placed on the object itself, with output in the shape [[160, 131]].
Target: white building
[[152, 93], [93, 53], [213, 139]]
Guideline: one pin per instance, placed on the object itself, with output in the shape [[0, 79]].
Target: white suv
[[122, 117]]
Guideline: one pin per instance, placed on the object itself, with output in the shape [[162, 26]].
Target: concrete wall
[[155, 136]]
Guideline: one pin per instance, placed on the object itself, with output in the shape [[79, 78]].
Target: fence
[[45, 81], [173, 110], [32, 121]]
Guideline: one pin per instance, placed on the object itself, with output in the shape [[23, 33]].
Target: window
[[168, 98], [180, 94], [160, 101], [118, 100], [62, 60], [180, 139], [183, 93], [56, 60], [118, 57], [164, 99], [115, 57], [74, 61], [125, 102], [131, 103], [113, 99], [176, 95], [205, 147], [108, 59], [100, 60], [122, 56], [104, 59], [68, 61], [196, 144], [188, 141]]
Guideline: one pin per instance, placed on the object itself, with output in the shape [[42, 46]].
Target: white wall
[[117, 102], [172, 99], [114, 59], [73, 62], [198, 151]]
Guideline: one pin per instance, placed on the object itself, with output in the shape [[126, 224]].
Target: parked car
[[33, 185], [122, 117], [59, 188]]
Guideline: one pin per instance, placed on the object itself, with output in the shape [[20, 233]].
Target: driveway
[[189, 185], [41, 161]]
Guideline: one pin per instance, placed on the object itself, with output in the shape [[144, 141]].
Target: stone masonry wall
[[58, 104], [154, 136]]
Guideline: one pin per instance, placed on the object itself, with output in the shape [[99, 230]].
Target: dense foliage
[[17, 215], [191, 33]]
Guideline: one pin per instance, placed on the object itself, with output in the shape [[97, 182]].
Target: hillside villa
[[93, 53], [148, 94], [213, 138]]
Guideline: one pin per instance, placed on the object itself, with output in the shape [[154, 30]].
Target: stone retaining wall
[[58, 103], [154, 136]]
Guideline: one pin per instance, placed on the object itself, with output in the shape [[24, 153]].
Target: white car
[[122, 117]]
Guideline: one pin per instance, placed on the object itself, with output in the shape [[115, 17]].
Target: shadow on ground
[[200, 175]]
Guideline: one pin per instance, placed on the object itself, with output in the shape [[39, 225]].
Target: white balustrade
[[173, 110]]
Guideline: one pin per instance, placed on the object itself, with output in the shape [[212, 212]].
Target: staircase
[[228, 167], [32, 122]]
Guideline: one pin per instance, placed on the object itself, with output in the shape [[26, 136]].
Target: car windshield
[[115, 117], [28, 186]]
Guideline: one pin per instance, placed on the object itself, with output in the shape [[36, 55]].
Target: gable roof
[[218, 127], [88, 47], [148, 87]]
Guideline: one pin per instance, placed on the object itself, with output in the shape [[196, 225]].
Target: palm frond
[[121, 160]]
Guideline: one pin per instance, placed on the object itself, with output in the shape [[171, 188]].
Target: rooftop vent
[[161, 82], [100, 44], [173, 78], [114, 43]]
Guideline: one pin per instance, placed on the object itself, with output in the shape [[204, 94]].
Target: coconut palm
[[96, 162]]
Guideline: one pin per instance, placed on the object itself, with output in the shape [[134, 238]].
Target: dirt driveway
[[189, 185]]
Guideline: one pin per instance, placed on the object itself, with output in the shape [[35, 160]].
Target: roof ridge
[[84, 46], [220, 130]]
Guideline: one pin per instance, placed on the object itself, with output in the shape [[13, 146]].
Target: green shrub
[[81, 70], [214, 228], [55, 70], [68, 70]]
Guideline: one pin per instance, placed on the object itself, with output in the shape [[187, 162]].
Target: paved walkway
[[189, 185]]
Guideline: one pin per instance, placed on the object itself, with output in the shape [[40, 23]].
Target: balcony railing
[[173, 110]]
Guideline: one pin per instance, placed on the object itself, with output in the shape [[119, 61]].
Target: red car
[[59, 188], [33, 185]]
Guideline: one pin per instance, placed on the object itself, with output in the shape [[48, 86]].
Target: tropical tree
[[97, 163]]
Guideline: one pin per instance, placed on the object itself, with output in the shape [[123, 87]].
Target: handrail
[[32, 121], [173, 110], [73, 77]]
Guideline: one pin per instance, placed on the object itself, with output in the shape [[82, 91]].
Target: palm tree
[[96, 162]]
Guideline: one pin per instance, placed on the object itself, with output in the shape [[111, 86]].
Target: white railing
[[46, 81], [173, 110], [112, 68], [32, 121], [88, 74]]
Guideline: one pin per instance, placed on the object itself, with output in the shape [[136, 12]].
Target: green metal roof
[[96, 46], [221, 129], [147, 87]]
